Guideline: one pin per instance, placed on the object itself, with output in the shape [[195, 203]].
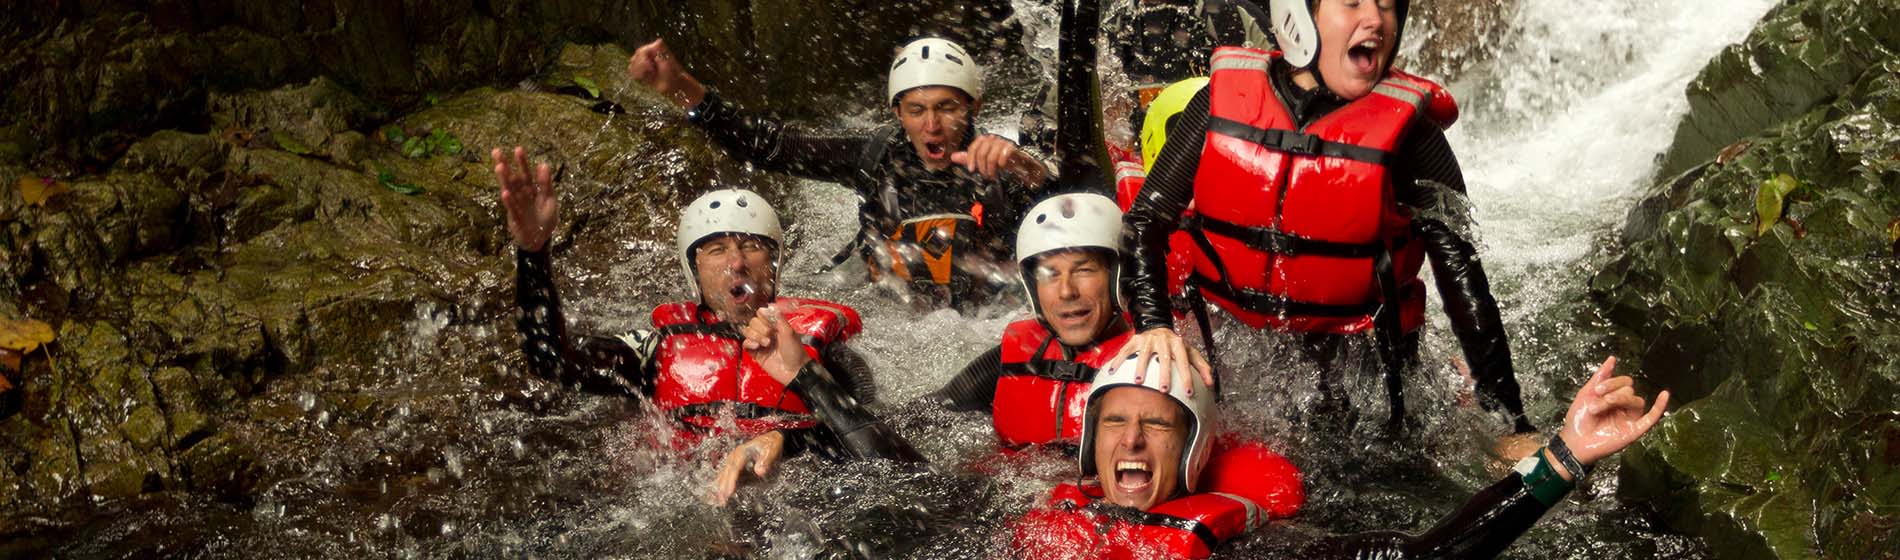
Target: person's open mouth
[[1365, 56], [1134, 478], [741, 292], [1074, 317], [936, 150]]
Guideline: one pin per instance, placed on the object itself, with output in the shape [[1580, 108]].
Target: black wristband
[[1569, 460]]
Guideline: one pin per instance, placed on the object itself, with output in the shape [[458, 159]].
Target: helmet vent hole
[[714, 205], [1041, 218], [741, 203], [926, 55]]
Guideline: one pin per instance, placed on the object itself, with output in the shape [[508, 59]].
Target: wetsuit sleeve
[[850, 370], [1430, 182], [770, 145], [1156, 214], [595, 364], [974, 388], [1487, 525], [856, 430]]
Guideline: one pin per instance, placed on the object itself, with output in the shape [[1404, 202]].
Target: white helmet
[[1200, 407], [934, 62], [1069, 221], [722, 212], [1297, 36]]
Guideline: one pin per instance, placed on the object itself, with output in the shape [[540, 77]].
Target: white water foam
[[1569, 120]]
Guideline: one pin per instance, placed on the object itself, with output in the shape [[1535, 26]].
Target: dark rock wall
[[243, 223], [86, 79], [1761, 283]]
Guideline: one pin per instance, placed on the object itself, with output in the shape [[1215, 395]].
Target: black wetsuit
[[883, 169], [625, 365], [1485, 526], [1423, 172]]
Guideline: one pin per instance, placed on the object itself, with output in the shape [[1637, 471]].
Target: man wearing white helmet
[[929, 179], [690, 363], [1156, 493], [1034, 382]]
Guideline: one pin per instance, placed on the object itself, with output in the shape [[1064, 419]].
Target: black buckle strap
[[1294, 142], [1274, 304], [1058, 370], [1279, 242], [1131, 515]]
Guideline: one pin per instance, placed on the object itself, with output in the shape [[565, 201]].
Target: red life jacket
[[1250, 486], [1302, 223], [1040, 396], [702, 367]]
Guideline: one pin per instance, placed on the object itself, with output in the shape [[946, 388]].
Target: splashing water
[[1562, 127]]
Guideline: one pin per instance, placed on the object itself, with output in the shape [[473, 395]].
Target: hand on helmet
[[1607, 415], [530, 205], [990, 156], [758, 456], [1164, 344], [774, 345], [654, 66]]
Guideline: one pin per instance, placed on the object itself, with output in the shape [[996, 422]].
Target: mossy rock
[[1802, 55], [1775, 324]]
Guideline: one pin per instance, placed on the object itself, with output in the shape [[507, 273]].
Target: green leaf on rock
[[415, 147], [432, 99], [289, 144], [1771, 200], [388, 179], [593, 89], [441, 142]]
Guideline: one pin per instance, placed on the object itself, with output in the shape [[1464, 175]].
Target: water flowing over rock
[[1761, 283]]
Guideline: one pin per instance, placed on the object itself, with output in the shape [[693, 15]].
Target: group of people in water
[[1299, 191]]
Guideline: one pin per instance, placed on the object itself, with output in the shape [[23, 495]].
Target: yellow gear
[[1154, 127]]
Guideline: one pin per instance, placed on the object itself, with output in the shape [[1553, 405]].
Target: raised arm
[[595, 364], [1605, 417], [764, 142]]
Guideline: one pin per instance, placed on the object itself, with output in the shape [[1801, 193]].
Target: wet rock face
[[1759, 284], [224, 299]]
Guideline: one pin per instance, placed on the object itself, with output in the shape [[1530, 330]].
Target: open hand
[[770, 340], [1608, 415], [1164, 344], [531, 206], [990, 156], [654, 66], [759, 456]]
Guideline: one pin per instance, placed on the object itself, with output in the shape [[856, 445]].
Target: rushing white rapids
[[1567, 121]]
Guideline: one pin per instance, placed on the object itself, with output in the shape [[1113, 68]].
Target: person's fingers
[[1655, 413], [1141, 356], [501, 167], [728, 481], [1622, 400], [1603, 371], [960, 158], [544, 181], [767, 459], [1206, 369], [519, 173], [1613, 384]]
